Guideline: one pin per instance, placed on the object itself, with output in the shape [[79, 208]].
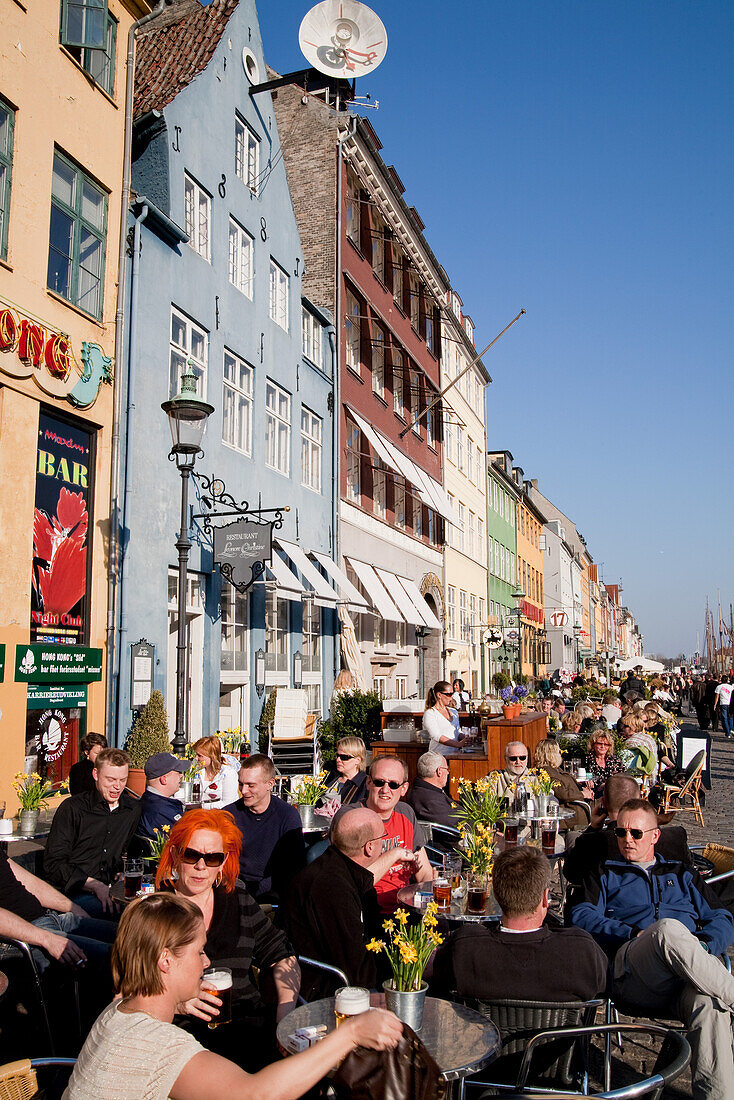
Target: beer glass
[[350, 1000], [476, 901], [510, 827], [452, 870], [548, 835], [218, 980], [133, 872], [442, 892]]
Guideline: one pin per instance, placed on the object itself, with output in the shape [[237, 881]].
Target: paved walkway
[[718, 812]]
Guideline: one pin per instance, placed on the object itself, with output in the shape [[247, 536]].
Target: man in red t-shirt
[[387, 783]]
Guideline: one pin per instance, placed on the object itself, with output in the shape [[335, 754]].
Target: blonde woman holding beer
[[201, 862], [134, 1050]]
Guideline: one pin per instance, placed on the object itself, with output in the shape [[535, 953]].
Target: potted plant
[[305, 794], [479, 804], [157, 843], [521, 694], [408, 951], [33, 792], [148, 735], [542, 786], [509, 702]]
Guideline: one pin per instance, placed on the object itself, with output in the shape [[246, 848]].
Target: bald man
[[331, 911]]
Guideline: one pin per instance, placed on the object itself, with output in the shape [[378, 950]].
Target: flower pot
[[308, 821], [516, 710], [508, 711], [28, 822], [136, 781], [542, 804], [185, 791], [408, 1004]]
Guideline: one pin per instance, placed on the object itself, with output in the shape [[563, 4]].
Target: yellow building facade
[[62, 97], [530, 580]]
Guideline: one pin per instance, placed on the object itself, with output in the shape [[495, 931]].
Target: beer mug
[[218, 980], [350, 1000], [133, 874]]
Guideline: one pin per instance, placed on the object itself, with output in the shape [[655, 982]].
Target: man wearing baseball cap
[[159, 806]]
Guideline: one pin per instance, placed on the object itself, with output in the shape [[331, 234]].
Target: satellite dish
[[342, 38]]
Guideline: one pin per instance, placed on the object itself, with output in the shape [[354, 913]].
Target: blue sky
[[576, 158]]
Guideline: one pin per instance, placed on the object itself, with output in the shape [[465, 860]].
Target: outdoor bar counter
[[497, 731]]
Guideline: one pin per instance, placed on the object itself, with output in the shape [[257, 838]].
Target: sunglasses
[[636, 834], [516, 758], [391, 783], [344, 756], [450, 694], [191, 857]]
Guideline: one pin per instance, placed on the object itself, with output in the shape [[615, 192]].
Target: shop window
[[76, 254]]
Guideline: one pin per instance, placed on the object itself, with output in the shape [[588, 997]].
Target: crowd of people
[[237, 887]]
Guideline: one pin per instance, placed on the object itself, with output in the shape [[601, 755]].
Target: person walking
[[723, 700]]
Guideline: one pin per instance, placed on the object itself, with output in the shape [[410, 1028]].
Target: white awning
[[348, 592], [411, 613], [375, 590], [288, 585], [375, 439], [413, 591], [326, 595]]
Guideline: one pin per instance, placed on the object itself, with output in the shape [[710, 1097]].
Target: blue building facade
[[215, 276]]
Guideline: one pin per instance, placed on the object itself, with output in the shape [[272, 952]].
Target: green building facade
[[502, 497]]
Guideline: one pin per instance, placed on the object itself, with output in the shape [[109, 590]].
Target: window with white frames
[[461, 527], [474, 621], [353, 209], [246, 154], [451, 536], [470, 460], [241, 249], [378, 360], [480, 540], [198, 205], [401, 687], [430, 330], [415, 302], [470, 534], [397, 381], [379, 489], [451, 611], [237, 403], [431, 428], [189, 343], [379, 633], [379, 684], [311, 647], [415, 402], [353, 328], [431, 526], [354, 489], [480, 468], [399, 505], [311, 331], [397, 274], [482, 620], [277, 428], [235, 631], [276, 633], [460, 448], [417, 517], [378, 246], [465, 632], [311, 429], [449, 446], [400, 636], [279, 289]]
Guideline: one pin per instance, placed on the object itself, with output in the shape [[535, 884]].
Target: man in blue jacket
[[158, 806], [663, 928]]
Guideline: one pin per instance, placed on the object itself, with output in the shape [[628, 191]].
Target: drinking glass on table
[[133, 872], [476, 901], [442, 892], [218, 980], [510, 826], [350, 1000], [452, 869], [549, 831]]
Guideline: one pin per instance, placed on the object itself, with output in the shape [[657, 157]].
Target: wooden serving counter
[[498, 732]]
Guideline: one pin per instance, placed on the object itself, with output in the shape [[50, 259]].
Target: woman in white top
[[135, 1052], [218, 779], [461, 697], [440, 722]]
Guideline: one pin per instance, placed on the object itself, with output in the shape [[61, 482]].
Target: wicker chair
[[686, 796], [19, 1080]]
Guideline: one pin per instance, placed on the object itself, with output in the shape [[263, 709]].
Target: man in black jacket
[[331, 912], [633, 685], [428, 795], [89, 833]]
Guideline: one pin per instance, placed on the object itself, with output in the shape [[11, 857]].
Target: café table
[[461, 1040]]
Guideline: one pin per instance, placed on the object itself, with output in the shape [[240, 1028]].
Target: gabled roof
[[175, 47]]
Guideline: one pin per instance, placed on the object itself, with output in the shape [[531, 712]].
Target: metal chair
[[18, 949], [316, 964], [676, 794], [441, 840], [519, 1020], [19, 1080], [673, 1059]]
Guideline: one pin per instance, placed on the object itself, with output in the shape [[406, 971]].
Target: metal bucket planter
[[408, 1004], [308, 820]]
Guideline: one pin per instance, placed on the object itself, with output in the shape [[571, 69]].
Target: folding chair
[[292, 742], [676, 794]]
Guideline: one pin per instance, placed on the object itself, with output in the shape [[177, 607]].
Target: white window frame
[[415, 402], [378, 246], [237, 391], [470, 460], [401, 687], [353, 334], [354, 216], [460, 448], [354, 463], [180, 353], [415, 300], [417, 517], [277, 638], [311, 338], [398, 261], [399, 504], [311, 449], [311, 638], [241, 258], [277, 428], [461, 527], [398, 377], [198, 217], [451, 537], [246, 154], [464, 631], [280, 283], [378, 360], [235, 624], [379, 489], [451, 611], [470, 534]]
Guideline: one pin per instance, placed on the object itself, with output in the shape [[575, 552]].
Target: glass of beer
[[452, 870], [218, 980], [133, 872], [442, 892], [350, 1000], [510, 830], [476, 901], [548, 834]]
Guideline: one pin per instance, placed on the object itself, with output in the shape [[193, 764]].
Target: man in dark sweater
[[331, 912], [428, 795], [159, 806], [523, 959], [89, 833], [273, 849]]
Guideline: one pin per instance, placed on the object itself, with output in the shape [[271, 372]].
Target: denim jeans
[[93, 936], [725, 720]]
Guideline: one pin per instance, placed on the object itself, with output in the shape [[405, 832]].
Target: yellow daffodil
[[389, 926], [376, 946], [401, 917], [408, 952]]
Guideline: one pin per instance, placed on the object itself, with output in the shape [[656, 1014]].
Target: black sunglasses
[[344, 756], [391, 783], [191, 857], [636, 834], [517, 757]]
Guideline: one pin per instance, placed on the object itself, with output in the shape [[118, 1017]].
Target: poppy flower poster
[[61, 533]]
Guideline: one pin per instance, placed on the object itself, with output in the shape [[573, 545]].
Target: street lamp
[[187, 416]]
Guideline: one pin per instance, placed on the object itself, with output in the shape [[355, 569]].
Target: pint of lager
[[350, 1000], [218, 980]]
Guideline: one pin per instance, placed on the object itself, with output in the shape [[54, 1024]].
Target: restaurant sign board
[[240, 550], [57, 664]]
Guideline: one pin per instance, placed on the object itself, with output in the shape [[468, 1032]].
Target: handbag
[[408, 1072]]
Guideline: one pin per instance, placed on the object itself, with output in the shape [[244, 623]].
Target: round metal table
[[461, 1040], [416, 899]]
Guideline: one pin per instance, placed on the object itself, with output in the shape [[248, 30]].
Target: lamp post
[[187, 416]]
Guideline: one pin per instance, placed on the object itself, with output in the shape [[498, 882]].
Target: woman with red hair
[[201, 862]]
